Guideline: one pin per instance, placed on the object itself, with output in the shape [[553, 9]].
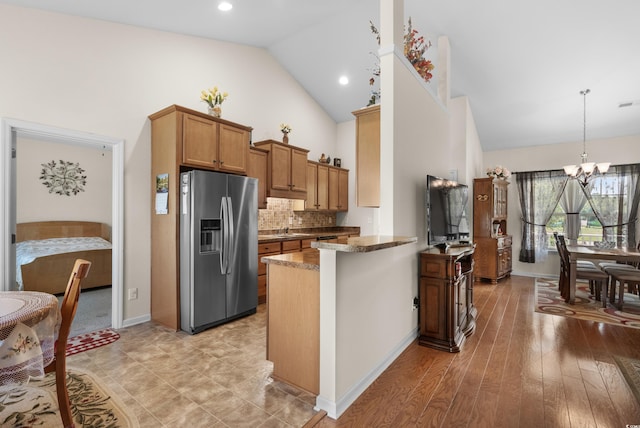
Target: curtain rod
[[554, 170]]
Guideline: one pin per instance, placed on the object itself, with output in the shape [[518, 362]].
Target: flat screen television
[[446, 204]]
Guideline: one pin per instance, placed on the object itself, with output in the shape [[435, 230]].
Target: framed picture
[[337, 162]]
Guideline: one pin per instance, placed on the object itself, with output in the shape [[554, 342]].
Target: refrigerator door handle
[[223, 250], [230, 234]]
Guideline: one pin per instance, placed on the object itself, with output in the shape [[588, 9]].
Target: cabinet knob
[[214, 161]]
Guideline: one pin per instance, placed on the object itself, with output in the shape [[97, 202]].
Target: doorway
[[12, 130]]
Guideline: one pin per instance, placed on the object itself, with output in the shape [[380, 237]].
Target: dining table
[[29, 322], [583, 252]]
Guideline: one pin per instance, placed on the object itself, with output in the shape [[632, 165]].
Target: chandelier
[[586, 169]]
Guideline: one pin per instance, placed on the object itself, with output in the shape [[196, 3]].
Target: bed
[[46, 252]]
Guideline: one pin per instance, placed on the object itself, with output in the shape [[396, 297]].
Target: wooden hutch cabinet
[[493, 245], [181, 140], [447, 313]]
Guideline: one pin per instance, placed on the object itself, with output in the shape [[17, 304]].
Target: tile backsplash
[[280, 214]]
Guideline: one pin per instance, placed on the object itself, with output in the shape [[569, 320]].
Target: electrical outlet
[[290, 220], [415, 304], [133, 293]]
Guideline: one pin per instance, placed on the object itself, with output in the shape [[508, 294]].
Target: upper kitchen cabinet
[[286, 170], [338, 189], [317, 187], [203, 141], [257, 168], [368, 156]]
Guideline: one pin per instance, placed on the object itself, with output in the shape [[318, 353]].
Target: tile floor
[[217, 378]]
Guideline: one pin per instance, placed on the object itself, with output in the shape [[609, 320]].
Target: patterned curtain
[[614, 198], [539, 193]]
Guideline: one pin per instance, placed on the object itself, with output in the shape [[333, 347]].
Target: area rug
[[92, 340], [586, 307], [36, 403], [630, 369]]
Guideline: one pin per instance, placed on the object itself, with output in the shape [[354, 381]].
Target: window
[[590, 227]]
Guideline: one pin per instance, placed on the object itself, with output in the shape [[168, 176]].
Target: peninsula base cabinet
[[293, 326], [447, 313]]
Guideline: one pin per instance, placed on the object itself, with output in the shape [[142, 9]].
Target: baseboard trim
[[335, 409], [137, 320]]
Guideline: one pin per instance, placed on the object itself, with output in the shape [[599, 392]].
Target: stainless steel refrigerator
[[218, 249]]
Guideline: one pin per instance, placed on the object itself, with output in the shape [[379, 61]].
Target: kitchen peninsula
[[311, 296]]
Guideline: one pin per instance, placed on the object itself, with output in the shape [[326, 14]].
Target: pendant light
[[586, 169]]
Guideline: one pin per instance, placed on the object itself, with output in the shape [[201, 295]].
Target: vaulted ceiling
[[521, 63]]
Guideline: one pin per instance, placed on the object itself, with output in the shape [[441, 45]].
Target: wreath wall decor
[[65, 178]]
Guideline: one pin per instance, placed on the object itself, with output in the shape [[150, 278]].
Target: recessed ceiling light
[[343, 80], [225, 6]]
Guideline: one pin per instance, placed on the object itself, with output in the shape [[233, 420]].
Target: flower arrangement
[[415, 47], [213, 97], [285, 128], [498, 172]]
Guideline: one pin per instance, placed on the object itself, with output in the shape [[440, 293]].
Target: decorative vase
[[215, 111], [285, 137]]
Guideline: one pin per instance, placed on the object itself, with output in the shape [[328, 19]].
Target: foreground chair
[[59, 363]]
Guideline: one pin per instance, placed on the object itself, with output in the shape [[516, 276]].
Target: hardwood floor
[[519, 369]]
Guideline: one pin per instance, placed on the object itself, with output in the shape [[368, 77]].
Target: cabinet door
[[233, 148], [433, 308], [281, 168], [338, 189], [343, 190], [368, 157], [462, 301], [334, 200], [312, 184], [298, 173], [199, 142], [257, 168], [323, 187]]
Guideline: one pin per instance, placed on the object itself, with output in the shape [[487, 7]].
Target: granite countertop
[[311, 233], [365, 244], [302, 260]]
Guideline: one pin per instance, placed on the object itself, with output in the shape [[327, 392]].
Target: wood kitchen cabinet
[[293, 325], [286, 170], [338, 189], [204, 141], [447, 313], [257, 168], [368, 156], [265, 249], [493, 245], [317, 187], [183, 139]]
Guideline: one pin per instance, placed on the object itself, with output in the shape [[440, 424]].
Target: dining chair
[[59, 363], [598, 280], [605, 264]]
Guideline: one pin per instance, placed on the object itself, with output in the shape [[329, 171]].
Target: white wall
[[106, 78], [33, 200], [622, 150]]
